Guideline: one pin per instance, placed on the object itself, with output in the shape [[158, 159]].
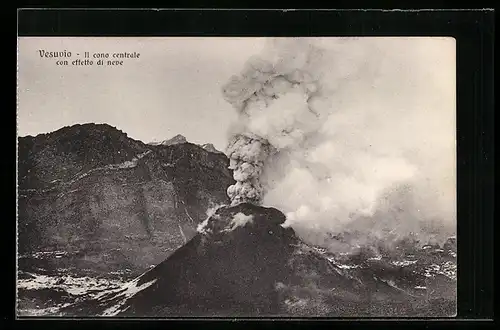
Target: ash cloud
[[349, 135]]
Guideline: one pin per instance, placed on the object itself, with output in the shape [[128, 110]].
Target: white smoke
[[210, 212], [279, 101], [349, 134], [240, 220]]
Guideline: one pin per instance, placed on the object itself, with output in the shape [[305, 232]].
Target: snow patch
[[404, 263], [448, 269], [341, 266], [52, 311], [296, 302], [47, 254], [129, 163], [127, 291], [77, 286]]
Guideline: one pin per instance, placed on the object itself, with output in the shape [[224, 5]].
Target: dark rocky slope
[[111, 202], [243, 263]]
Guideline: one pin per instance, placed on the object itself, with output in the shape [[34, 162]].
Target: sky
[[173, 88]]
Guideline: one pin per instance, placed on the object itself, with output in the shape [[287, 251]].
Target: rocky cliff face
[[111, 202]]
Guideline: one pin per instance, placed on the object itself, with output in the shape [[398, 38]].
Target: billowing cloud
[[349, 134]]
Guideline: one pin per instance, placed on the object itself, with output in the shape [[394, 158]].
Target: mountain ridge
[[181, 139], [91, 187]]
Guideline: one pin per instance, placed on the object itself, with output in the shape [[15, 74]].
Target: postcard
[[236, 177]]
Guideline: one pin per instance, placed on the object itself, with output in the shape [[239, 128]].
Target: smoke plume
[[348, 135], [278, 104]]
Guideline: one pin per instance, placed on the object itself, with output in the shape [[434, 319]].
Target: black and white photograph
[[236, 177]]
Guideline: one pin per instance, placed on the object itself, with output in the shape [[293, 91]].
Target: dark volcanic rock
[[91, 188], [243, 263], [229, 268]]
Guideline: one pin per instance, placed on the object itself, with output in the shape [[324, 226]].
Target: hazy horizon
[[101, 123]]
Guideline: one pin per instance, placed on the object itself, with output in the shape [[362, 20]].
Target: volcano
[[231, 266], [244, 263]]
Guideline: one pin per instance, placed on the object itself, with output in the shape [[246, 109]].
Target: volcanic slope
[[243, 263]]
